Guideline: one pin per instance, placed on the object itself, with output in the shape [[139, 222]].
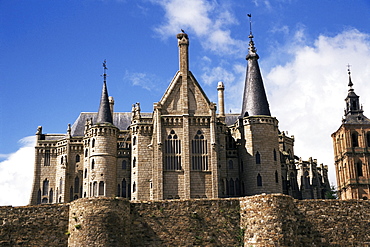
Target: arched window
[[172, 151], [77, 184], [51, 194], [354, 136], [45, 187], [86, 152], [93, 143], [258, 158], [134, 141], [259, 180], [44, 200], [47, 158], [95, 189], [38, 201], [124, 188], [359, 169], [199, 149], [77, 158], [124, 164], [275, 157], [61, 185], [237, 187], [61, 160], [232, 187], [93, 164], [231, 164], [101, 188], [276, 177], [71, 194]]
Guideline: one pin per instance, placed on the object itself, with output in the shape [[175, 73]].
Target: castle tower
[[259, 146], [100, 147], [351, 150]]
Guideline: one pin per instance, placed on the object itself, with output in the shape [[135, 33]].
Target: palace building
[[186, 148]]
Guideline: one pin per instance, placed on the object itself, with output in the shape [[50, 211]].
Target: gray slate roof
[[122, 120]]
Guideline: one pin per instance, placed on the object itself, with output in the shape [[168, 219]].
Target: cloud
[[143, 80], [16, 174], [307, 93], [208, 20]]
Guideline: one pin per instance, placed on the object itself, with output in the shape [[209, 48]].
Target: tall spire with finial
[[254, 98], [104, 113]]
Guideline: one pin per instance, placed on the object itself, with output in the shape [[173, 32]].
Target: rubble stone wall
[[262, 220]]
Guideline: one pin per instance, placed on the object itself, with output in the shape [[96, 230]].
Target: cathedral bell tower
[[259, 145], [100, 150], [351, 144]]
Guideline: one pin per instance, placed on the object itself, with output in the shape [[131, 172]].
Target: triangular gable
[[172, 100]]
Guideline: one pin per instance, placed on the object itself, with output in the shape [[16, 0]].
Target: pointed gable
[[184, 94]]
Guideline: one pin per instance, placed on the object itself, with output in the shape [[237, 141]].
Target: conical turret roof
[[254, 98], [104, 113]]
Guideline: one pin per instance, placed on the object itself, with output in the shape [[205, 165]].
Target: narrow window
[[101, 188], [85, 172], [275, 157], [124, 165], [354, 139], [359, 169], [71, 194], [61, 160], [124, 188], [61, 185], [134, 141], [258, 158], [93, 143], [232, 187], [237, 187], [47, 158], [77, 158], [86, 152], [92, 164], [276, 177], [199, 149], [95, 188], [45, 187], [38, 197], [368, 138], [51, 196], [231, 164], [134, 187], [134, 162], [172, 152], [77, 184], [259, 180], [118, 190]]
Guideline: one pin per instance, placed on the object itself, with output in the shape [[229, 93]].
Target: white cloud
[[16, 174], [208, 20], [148, 82], [307, 93]]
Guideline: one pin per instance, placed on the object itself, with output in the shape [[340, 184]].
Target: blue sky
[[52, 54]]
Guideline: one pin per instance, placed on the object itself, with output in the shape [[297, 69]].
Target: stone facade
[[263, 220], [352, 150], [185, 149]]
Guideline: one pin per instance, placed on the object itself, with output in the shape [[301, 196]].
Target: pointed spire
[[254, 98], [353, 106], [350, 84], [104, 113]]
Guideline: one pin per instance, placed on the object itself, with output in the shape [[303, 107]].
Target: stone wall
[[44, 225], [263, 220]]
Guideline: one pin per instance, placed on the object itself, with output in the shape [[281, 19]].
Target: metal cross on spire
[[105, 70], [350, 84]]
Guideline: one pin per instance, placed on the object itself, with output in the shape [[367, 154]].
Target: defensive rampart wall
[[263, 220]]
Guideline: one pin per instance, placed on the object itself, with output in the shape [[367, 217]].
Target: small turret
[[104, 113], [254, 99]]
